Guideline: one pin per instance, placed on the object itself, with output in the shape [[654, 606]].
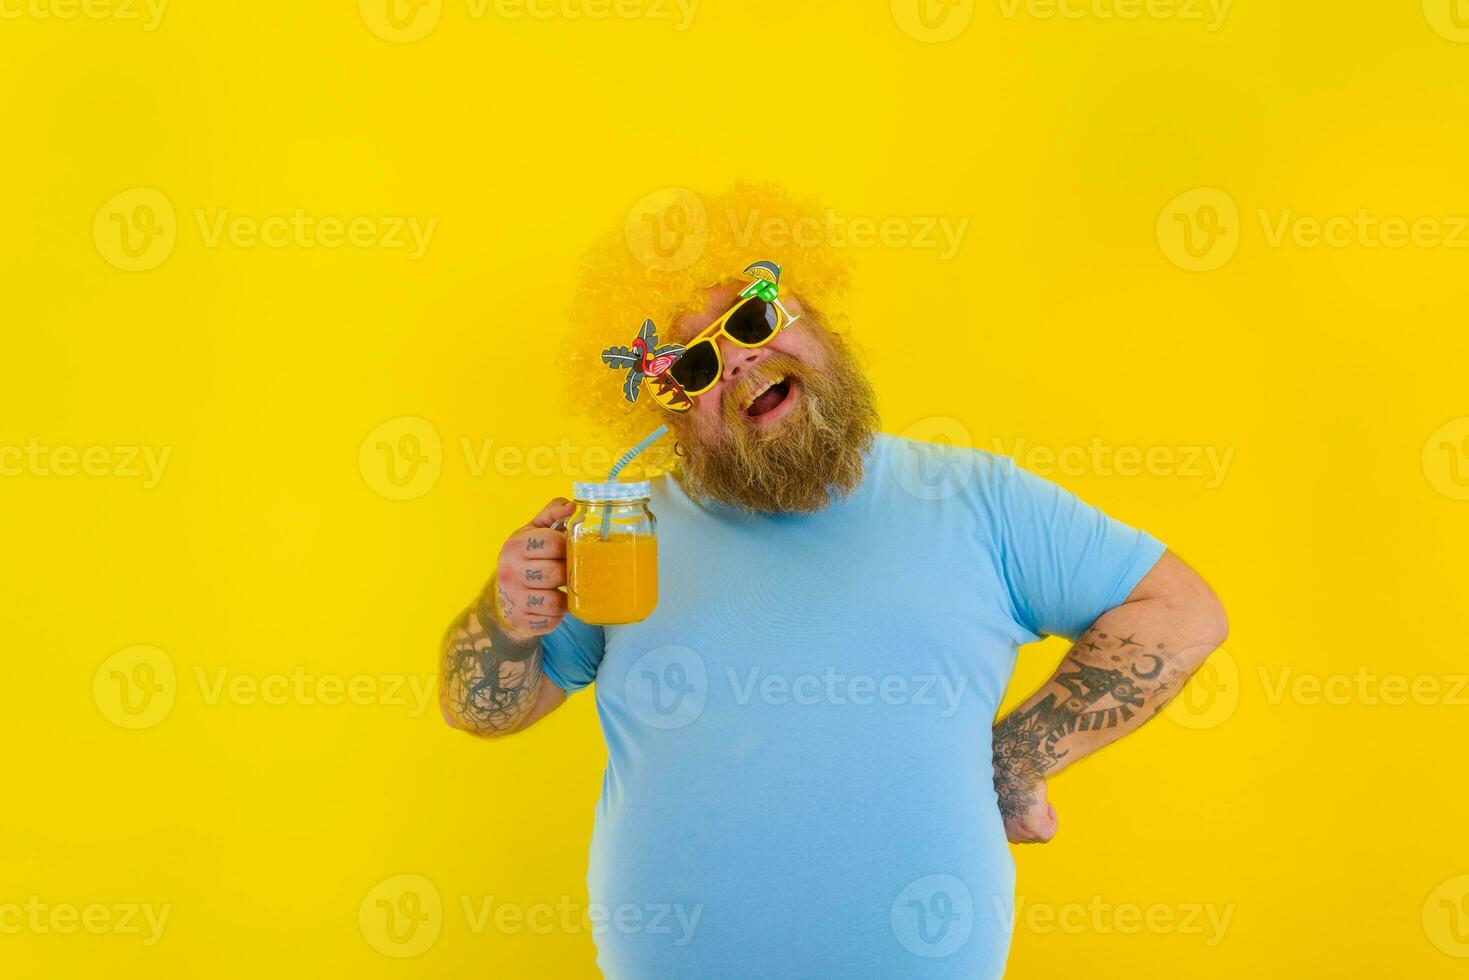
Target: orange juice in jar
[[611, 554]]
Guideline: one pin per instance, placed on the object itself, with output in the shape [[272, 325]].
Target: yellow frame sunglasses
[[700, 365]]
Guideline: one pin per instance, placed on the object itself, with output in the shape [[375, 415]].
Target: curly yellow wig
[[673, 244]]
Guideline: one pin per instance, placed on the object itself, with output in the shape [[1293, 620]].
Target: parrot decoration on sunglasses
[[645, 358]]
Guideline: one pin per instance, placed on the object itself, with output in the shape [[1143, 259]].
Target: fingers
[[532, 612], [1037, 825], [533, 573], [1048, 825], [530, 602], [558, 508], [536, 542], [531, 569]]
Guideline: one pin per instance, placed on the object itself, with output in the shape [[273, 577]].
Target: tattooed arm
[[490, 678], [1120, 673]]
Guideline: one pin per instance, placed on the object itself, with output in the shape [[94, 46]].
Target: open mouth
[[768, 400]]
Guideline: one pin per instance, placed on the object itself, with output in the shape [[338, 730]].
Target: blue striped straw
[[617, 468]]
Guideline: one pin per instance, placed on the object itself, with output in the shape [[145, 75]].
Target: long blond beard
[[807, 459]]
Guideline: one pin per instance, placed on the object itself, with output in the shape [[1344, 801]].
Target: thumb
[[1049, 825], [558, 508]]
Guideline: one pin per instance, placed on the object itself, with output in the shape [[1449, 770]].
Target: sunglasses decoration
[[678, 373], [644, 359]]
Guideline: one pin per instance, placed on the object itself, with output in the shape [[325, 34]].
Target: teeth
[[751, 400]]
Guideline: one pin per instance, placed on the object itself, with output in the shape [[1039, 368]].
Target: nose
[[738, 359]]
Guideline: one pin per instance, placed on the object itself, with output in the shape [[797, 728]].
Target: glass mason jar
[[611, 554]]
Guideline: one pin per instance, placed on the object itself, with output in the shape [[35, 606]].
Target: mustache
[[776, 364]]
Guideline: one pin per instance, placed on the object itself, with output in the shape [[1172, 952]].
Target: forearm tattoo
[[1102, 684], [488, 679]]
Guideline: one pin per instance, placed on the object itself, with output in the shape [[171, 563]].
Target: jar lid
[[601, 492]]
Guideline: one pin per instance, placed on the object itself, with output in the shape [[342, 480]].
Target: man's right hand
[[532, 566]]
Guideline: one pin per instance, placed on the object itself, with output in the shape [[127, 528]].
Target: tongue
[[772, 397]]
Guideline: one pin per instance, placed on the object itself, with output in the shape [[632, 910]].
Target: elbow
[[473, 727], [449, 717], [1216, 626], [1198, 610], [1210, 621], [468, 726]]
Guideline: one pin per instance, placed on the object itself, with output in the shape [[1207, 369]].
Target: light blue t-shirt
[[798, 780]]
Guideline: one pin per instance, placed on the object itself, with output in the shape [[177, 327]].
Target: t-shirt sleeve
[[571, 653], [1064, 562]]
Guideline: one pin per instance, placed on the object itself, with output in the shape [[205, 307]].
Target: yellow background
[[1332, 828]]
